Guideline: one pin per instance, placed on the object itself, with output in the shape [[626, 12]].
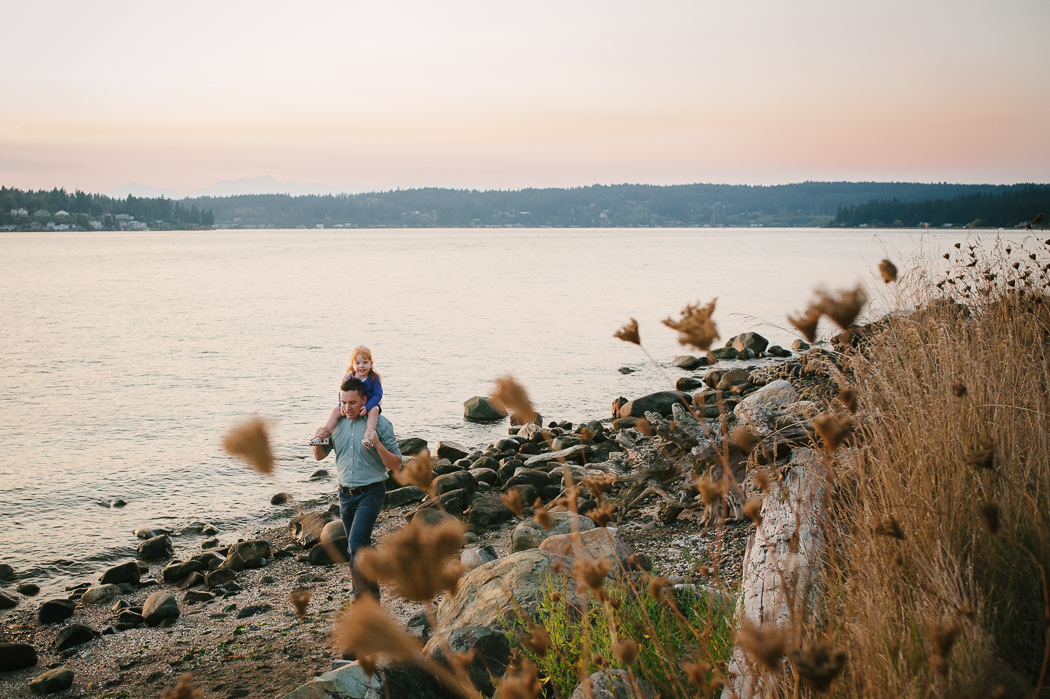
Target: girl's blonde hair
[[364, 353]]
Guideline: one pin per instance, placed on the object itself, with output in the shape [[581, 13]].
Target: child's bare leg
[[325, 431], [333, 418], [370, 426]]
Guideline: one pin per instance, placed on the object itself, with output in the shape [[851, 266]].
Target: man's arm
[[386, 446], [391, 461], [320, 452]]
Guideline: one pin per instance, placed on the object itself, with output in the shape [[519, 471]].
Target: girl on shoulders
[[362, 369]]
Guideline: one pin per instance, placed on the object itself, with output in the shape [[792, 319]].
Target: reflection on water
[[128, 355]]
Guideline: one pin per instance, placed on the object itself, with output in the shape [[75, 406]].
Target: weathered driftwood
[[782, 563]]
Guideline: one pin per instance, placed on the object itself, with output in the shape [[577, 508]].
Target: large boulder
[[8, 600], [16, 656], [491, 652], [52, 681], [404, 496], [177, 571], [488, 510], [160, 606], [493, 594], [454, 481], [306, 528], [251, 550], [528, 476], [411, 446], [660, 402], [73, 635], [100, 594], [156, 549], [613, 684], [725, 353], [480, 409], [530, 533], [689, 362], [389, 680], [6, 572], [733, 377], [55, 610], [473, 557], [601, 542], [760, 410], [333, 546], [451, 451], [748, 341], [124, 573]]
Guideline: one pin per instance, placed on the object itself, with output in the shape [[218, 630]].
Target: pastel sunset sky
[[493, 94]]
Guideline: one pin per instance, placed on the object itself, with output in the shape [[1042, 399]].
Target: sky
[[493, 94]]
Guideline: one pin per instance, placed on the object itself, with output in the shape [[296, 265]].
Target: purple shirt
[[373, 390]]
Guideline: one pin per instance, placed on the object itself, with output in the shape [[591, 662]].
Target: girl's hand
[[364, 412], [371, 436]]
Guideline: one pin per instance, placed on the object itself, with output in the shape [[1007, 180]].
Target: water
[[127, 355]]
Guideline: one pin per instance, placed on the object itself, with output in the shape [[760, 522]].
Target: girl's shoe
[[319, 442], [367, 442]]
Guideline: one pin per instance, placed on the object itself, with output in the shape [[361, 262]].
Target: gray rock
[[55, 610], [100, 594], [451, 451], [198, 597], [487, 511], [800, 345], [127, 572], [748, 341], [613, 684], [247, 550], [177, 571], [129, 618], [150, 532], [576, 453], [725, 353], [218, 577], [528, 476], [280, 499], [347, 682], [530, 534], [28, 589], [778, 351], [733, 377], [454, 481], [16, 656], [306, 528], [160, 606], [209, 543], [480, 409], [210, 530], [319, 474], [527, 493], [52, 681], [156, 548], [688, 383], [419, 626], [404, 496], [411, 446], [689, 362], [193, 579], [333, 552], [660, 402], [117, 503], [491, 652], [6, 572], [484, 475], [473, 557], [761, 409], [252, 610], [626, 370], [8, 600], [73, 635]]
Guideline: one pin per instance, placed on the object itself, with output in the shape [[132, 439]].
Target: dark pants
[[359, 513]]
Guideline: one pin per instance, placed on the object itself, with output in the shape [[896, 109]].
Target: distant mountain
[[231, 188]]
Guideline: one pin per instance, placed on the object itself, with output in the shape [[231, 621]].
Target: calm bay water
[[127, 355]]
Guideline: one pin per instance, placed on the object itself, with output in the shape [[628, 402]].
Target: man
[[361, 473]]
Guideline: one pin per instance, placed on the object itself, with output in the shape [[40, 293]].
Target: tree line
[[802, 204], [175, 214], [996, 209]]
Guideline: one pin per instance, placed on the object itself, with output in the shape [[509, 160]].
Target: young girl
[[360, 368]]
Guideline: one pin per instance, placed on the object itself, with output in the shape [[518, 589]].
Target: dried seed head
[[889, 527], [806, 322], [764, 643], [697, 672], [959, 389], [513, 502], [982, 458], [843, 306], [833, 429], [542, 515], [602, 514], [762, 481], [366, 630], [598, 661], [943, 637], [537, 640], [417, 560], [695, 327], [626, 651], [629, 333], [511, 397], [300, 599], [184, 689], [658, 587], [711, 490], [753, 510], [743, 438], [888, 270], [818, 666], [645, 427], [848, 397], [592, 572], [990, 515], [417, 470], [598, 483], [251, 441], [521, 681], [966, 610]]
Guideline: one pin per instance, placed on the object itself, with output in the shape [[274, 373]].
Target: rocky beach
[[223, 612]]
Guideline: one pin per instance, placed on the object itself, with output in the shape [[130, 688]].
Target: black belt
[[361, 489]]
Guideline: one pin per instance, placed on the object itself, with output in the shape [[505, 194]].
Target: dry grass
[[251, 441]]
